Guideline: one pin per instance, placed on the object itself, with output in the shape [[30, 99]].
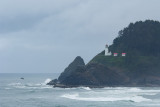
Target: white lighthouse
[[107, 53]]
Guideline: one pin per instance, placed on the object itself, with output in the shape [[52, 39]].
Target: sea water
[[32, 91]]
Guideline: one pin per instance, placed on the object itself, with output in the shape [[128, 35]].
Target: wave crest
[[31, 85], [131, 98]]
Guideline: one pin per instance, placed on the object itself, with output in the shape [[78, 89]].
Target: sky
[[44, 36]]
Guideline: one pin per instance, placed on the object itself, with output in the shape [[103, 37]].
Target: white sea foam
[[130, 90], [31, 85], [15, 84], [134, 90], [112, 94], [129, 98], [47, 81], [85, 88]]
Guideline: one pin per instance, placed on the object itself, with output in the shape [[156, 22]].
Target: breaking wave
[[85, 88], [131, 94], [47, 81], [31, 85], [131, 98]]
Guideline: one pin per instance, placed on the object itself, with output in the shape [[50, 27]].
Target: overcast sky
[[44, 36]]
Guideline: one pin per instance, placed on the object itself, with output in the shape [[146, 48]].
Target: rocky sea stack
[[140, 67]]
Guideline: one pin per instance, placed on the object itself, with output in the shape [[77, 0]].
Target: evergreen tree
[[140, 38]]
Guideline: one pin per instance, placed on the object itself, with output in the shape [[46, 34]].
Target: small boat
[[22, 78]]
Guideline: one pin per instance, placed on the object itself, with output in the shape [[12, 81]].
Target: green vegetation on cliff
[[140, 38], [141, 43]]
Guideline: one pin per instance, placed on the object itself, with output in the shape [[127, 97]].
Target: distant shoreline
[[101, 86]]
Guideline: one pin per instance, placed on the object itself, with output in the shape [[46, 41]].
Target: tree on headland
[[140, 38]]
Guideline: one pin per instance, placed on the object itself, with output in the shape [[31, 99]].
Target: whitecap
[[46, 87], [85, 88], [31, 85], [15, 84], [20, 86], [47, 81], [128, 98], [135, 89]]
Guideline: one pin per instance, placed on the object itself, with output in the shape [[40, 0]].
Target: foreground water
[[33, 92]]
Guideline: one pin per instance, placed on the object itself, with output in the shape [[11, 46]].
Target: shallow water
[[33, 92]]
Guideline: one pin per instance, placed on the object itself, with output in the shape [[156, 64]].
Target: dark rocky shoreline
[[92, 86], [95, 75]]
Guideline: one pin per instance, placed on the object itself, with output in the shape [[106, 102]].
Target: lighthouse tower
[[107, 53]]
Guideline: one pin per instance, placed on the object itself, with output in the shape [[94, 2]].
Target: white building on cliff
[[107, 53]]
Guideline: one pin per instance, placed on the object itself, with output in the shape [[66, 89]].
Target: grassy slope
[[131, 64]]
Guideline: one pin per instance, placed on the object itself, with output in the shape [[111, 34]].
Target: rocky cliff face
[[98, 74], [95, 75], [92, 75], [78, 61]]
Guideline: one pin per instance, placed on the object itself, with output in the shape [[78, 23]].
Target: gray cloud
[[19, 22], [46, 35]]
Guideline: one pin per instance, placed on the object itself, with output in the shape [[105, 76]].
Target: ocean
[[32, 91]]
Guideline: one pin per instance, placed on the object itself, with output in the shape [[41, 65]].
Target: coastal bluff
[[140, 66]]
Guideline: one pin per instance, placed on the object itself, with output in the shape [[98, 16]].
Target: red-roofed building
[[123, 54], [115, 54]]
